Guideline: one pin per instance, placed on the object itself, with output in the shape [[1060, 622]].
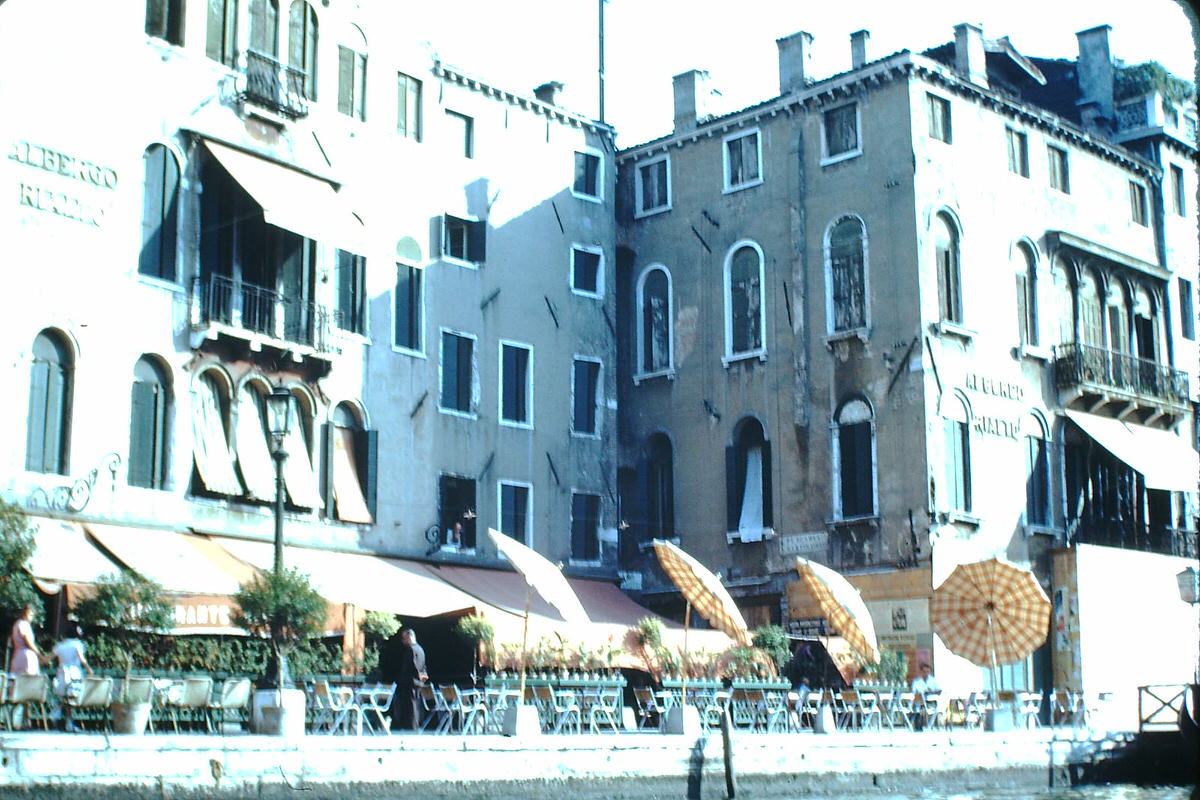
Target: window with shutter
[[585, 393], [302, 44], [515, 384], [408, 109], [586, 269], [654, 328], [352, 295], [48, 422], [221, 35], [352, 83], [159, 213], [585, 527], [264, 27], [514, 511], [847, 275], [743, 302], [457, 373], [409, 305], [164, 20], [946, 253], [855, 455], [587, 175], [660, 488], [147, 426]]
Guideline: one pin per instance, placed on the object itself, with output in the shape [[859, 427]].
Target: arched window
[[1091, 319], [352, 75], [298, 473], [302, 44], [49, 423], [1118, 318], [149, 412], [211, 399], [660, 488], [654, 322], [854, 454], [160, 213], [1037, 472], [949, 275], [351, 476], [748, 483], [957, 426], [253, 442], [264, 27], [1146, 325], [846, 275], [744, 301], [1025, 267], [221, 34]]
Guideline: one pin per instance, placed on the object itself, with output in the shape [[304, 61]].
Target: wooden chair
[[234, 696], [29, 692], [192, 702], [93, 697], [466, 707], [140, 689], [427, 695]]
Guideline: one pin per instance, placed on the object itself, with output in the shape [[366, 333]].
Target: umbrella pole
[[687, 619], [524, 641]]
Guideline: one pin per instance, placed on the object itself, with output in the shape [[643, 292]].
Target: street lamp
[[279, 406], [1189, 585]]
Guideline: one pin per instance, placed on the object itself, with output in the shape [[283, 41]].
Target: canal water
[[1111, 792]]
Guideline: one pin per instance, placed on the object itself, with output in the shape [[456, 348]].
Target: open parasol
[[842, 605], [991, 612]]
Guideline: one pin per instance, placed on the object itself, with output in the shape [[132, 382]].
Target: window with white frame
[[589, 175], [1037, 473], [456, 512], [1178, 202], [460, 134], [939, 117], [514, 512], [1018, 152], [1025, 266], [408, 107], [744, 301], [654, 322], [457, 373], [748, 507], [846, 275], [946, 257], [743, 160], [409, 308], [352, 76], [854, 454], [464, 241], [585, 527], [585, 394], [1137, 203], [839, 133], [1060, 175], [653, 185], [956, 424], [516, 384], [587, 270], [351, 292]]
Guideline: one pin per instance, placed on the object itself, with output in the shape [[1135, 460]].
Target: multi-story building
[[209, 199], [936, 308]]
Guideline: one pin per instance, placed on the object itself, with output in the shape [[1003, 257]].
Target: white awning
[[179, 562], [370, 582], [298, 472], [62, 554], [347, 490], [1165, 460], [214, 462], [291, 199]]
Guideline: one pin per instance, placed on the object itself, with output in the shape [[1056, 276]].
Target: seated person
[[925, 683]]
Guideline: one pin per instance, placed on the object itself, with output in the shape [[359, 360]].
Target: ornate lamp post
[[1189, 585], [278, 421]]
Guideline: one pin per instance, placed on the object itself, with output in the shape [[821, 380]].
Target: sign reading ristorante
[[66, 165]]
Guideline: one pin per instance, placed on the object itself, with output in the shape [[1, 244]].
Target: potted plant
[[127, 604], [284, 606], [479, 632]]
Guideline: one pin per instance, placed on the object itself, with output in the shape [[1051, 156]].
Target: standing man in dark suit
[[406, 704]]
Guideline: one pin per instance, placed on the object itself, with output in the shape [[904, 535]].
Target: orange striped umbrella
[[703, 590], [991, 612], [842, 605]]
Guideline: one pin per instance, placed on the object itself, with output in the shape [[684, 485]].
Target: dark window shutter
[[153, 195], [170, 217], [509, 398], [345, 80], [854, 450], [345, 289], [327, 434], [142, 427], [367, 455], [463, 382], [1023, 310], [35, 443], [156, 18], [54, 454], [768, 516], [577, 527], [449, 371], [965, 437], [639, 515], [477, 241], [734, 485]]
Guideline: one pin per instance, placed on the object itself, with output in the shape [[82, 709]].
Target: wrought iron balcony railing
[[259, 310], [275, 86], [1133, 536], [1097, 367]]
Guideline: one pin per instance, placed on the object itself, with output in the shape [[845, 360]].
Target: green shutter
[[768, 515], [327, 434], [367, 454], [35, 448], [54, 452], [142, 435], [735, 479], [345, 80]]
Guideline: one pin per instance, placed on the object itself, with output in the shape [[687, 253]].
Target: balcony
[[260, 315], [1134, 536], [274, 86], [1100, 377]]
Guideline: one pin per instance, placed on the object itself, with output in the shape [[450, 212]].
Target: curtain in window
[[745, 302], [750, 524], [841, 130], [347, 489], [846, 272], [298, 473], [656, 334], [210, 448], [253, 452]]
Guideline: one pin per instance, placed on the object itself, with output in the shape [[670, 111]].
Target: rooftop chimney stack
[[693, 96], [1094, 71], [858, 48], [548, 92], [969, 58], [795, 53]]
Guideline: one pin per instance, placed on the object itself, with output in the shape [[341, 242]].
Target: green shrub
[[126, 601], [16, 548], [773, 640], [892, 669], [285, 605], [380, 624]]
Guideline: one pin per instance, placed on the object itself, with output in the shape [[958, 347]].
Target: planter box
[[130, 718]]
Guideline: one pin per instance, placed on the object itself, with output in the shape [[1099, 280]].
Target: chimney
[[969, 59], [692, 98], [858, 48], [795, 53], [1094, 70], [547, 92]]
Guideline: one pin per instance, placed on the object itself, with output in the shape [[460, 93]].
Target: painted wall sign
[[52, 201], [994, 386], [996, 426]]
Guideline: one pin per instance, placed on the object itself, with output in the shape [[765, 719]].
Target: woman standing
[[27, 659]]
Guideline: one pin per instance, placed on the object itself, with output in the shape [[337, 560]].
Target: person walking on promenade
[[26, 659], [72, 664], [411, 675]]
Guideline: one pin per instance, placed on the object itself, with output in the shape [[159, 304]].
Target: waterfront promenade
[[643, 764]]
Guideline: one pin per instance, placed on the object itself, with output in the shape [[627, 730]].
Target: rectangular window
[[587, 176], [958, 465], [456, 512], [939, 118], [1187, 310], [514, 511], [585, 527], [1060, 177], [1177, 198], [1137, 203], [460, 134], [408, 107], [458, 373], [464, 240], [352, 294], [653, 188], [839, 131], [409, 304], [221, 36], [516, 384], [1037, 482], [352, 83], [585, 394], [1018, 152], [743, 161], [586, 269], [164, 20]]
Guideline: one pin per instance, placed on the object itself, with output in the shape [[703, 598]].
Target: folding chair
[[5, 723], [849, 712], [774, 712], [234, 696], [1029, 709], [140, 689], [870, 709], [378, 699], [193, 701], [902, 710], [466, 707], [92, 694], [29, 692], [565, 709], [607, 710], [428, 697], [645, 705]]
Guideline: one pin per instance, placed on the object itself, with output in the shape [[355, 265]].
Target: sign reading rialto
[[1009, 390], [52, 201]]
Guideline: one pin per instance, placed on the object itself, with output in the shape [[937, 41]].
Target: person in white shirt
[[925, 686], [72, 664], [925, 683]]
